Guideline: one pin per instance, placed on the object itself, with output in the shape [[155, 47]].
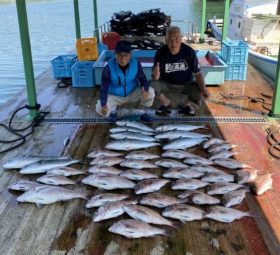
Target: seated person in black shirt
[[174, 70]]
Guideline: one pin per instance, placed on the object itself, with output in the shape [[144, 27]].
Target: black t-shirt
[[177, 68]]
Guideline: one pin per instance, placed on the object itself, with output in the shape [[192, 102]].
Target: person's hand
[[104, 110], [145, 94], [156, 72], [205, 93]]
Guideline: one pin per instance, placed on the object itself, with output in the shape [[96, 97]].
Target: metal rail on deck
[[100, 120]]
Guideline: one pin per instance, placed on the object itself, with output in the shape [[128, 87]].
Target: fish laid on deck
[[188, 184], [103, 153], [104, 198], [131, 129], [104, 170], [199, 198], [129, 144], [218, 177], [108, 182], [24, 185], [111, 210], [137, 175], [132, 135], [178, 173], [234, 197], [221, 188], [55, 180], [147, 215], [178, 126], [170, 163], [160, 200], [136, 229], [141, 155], [183, 143], [135, 124], [50, 194], [150, 185], [245, 175], [224, 214], [106, 161], [45, 165], [66, 171], [174, 134], [183, 212], [137, 164]]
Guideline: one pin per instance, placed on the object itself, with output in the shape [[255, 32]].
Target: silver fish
[[22, 161], [45, 165], [50, 194], [108, 182], [246, 175], [183, 212], [176, 154], [103, 153], [137, 175], [66, 171], [234, 197], [183, 127], [175, 134], [230, 163], [107, 161], [215, 149], [160, 200], [130, 144], [224, 214], [132, 135], [111, 210], [198, 160], [213, 141], [104, 198], [178, 173], [141, 155], [168, 163], [183, 143], [104, 170], [149, 185], [221, 188], [55, 180], [262, 183], [24, 185], [135, 124], [223, 154], [199, 198], [138, 164], [217, 177], [130, 129], [206, 169], [136, 229], [188, 184], [139, 212]]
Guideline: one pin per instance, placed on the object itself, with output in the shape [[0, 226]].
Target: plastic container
[[83, 74], [111, 39], [236, 72], [234, 52], [87, 49], [212, 67], [61, 66]]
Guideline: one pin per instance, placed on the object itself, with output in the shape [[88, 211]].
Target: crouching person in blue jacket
[[123, 80]]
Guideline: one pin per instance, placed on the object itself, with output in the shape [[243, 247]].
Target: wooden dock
[[67, 227]]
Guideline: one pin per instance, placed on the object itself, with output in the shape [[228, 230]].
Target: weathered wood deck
[[67, 228]]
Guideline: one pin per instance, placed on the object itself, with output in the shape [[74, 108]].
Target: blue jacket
[[122, 84], [119, 83]]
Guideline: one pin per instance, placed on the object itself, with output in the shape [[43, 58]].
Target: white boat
[[255, 22]]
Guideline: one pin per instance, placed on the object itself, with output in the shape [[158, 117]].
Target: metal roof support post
[[96, 32], [77, 19], [203, 18], [225, 22], [27, 56], [275, 110]]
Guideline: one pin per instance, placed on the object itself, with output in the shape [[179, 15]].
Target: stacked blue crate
[[61, 66], [235, 54], [83, 74]]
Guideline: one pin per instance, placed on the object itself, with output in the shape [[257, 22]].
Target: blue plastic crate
[[61, 66], [234, 52], [83, 74], [236, 72]]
